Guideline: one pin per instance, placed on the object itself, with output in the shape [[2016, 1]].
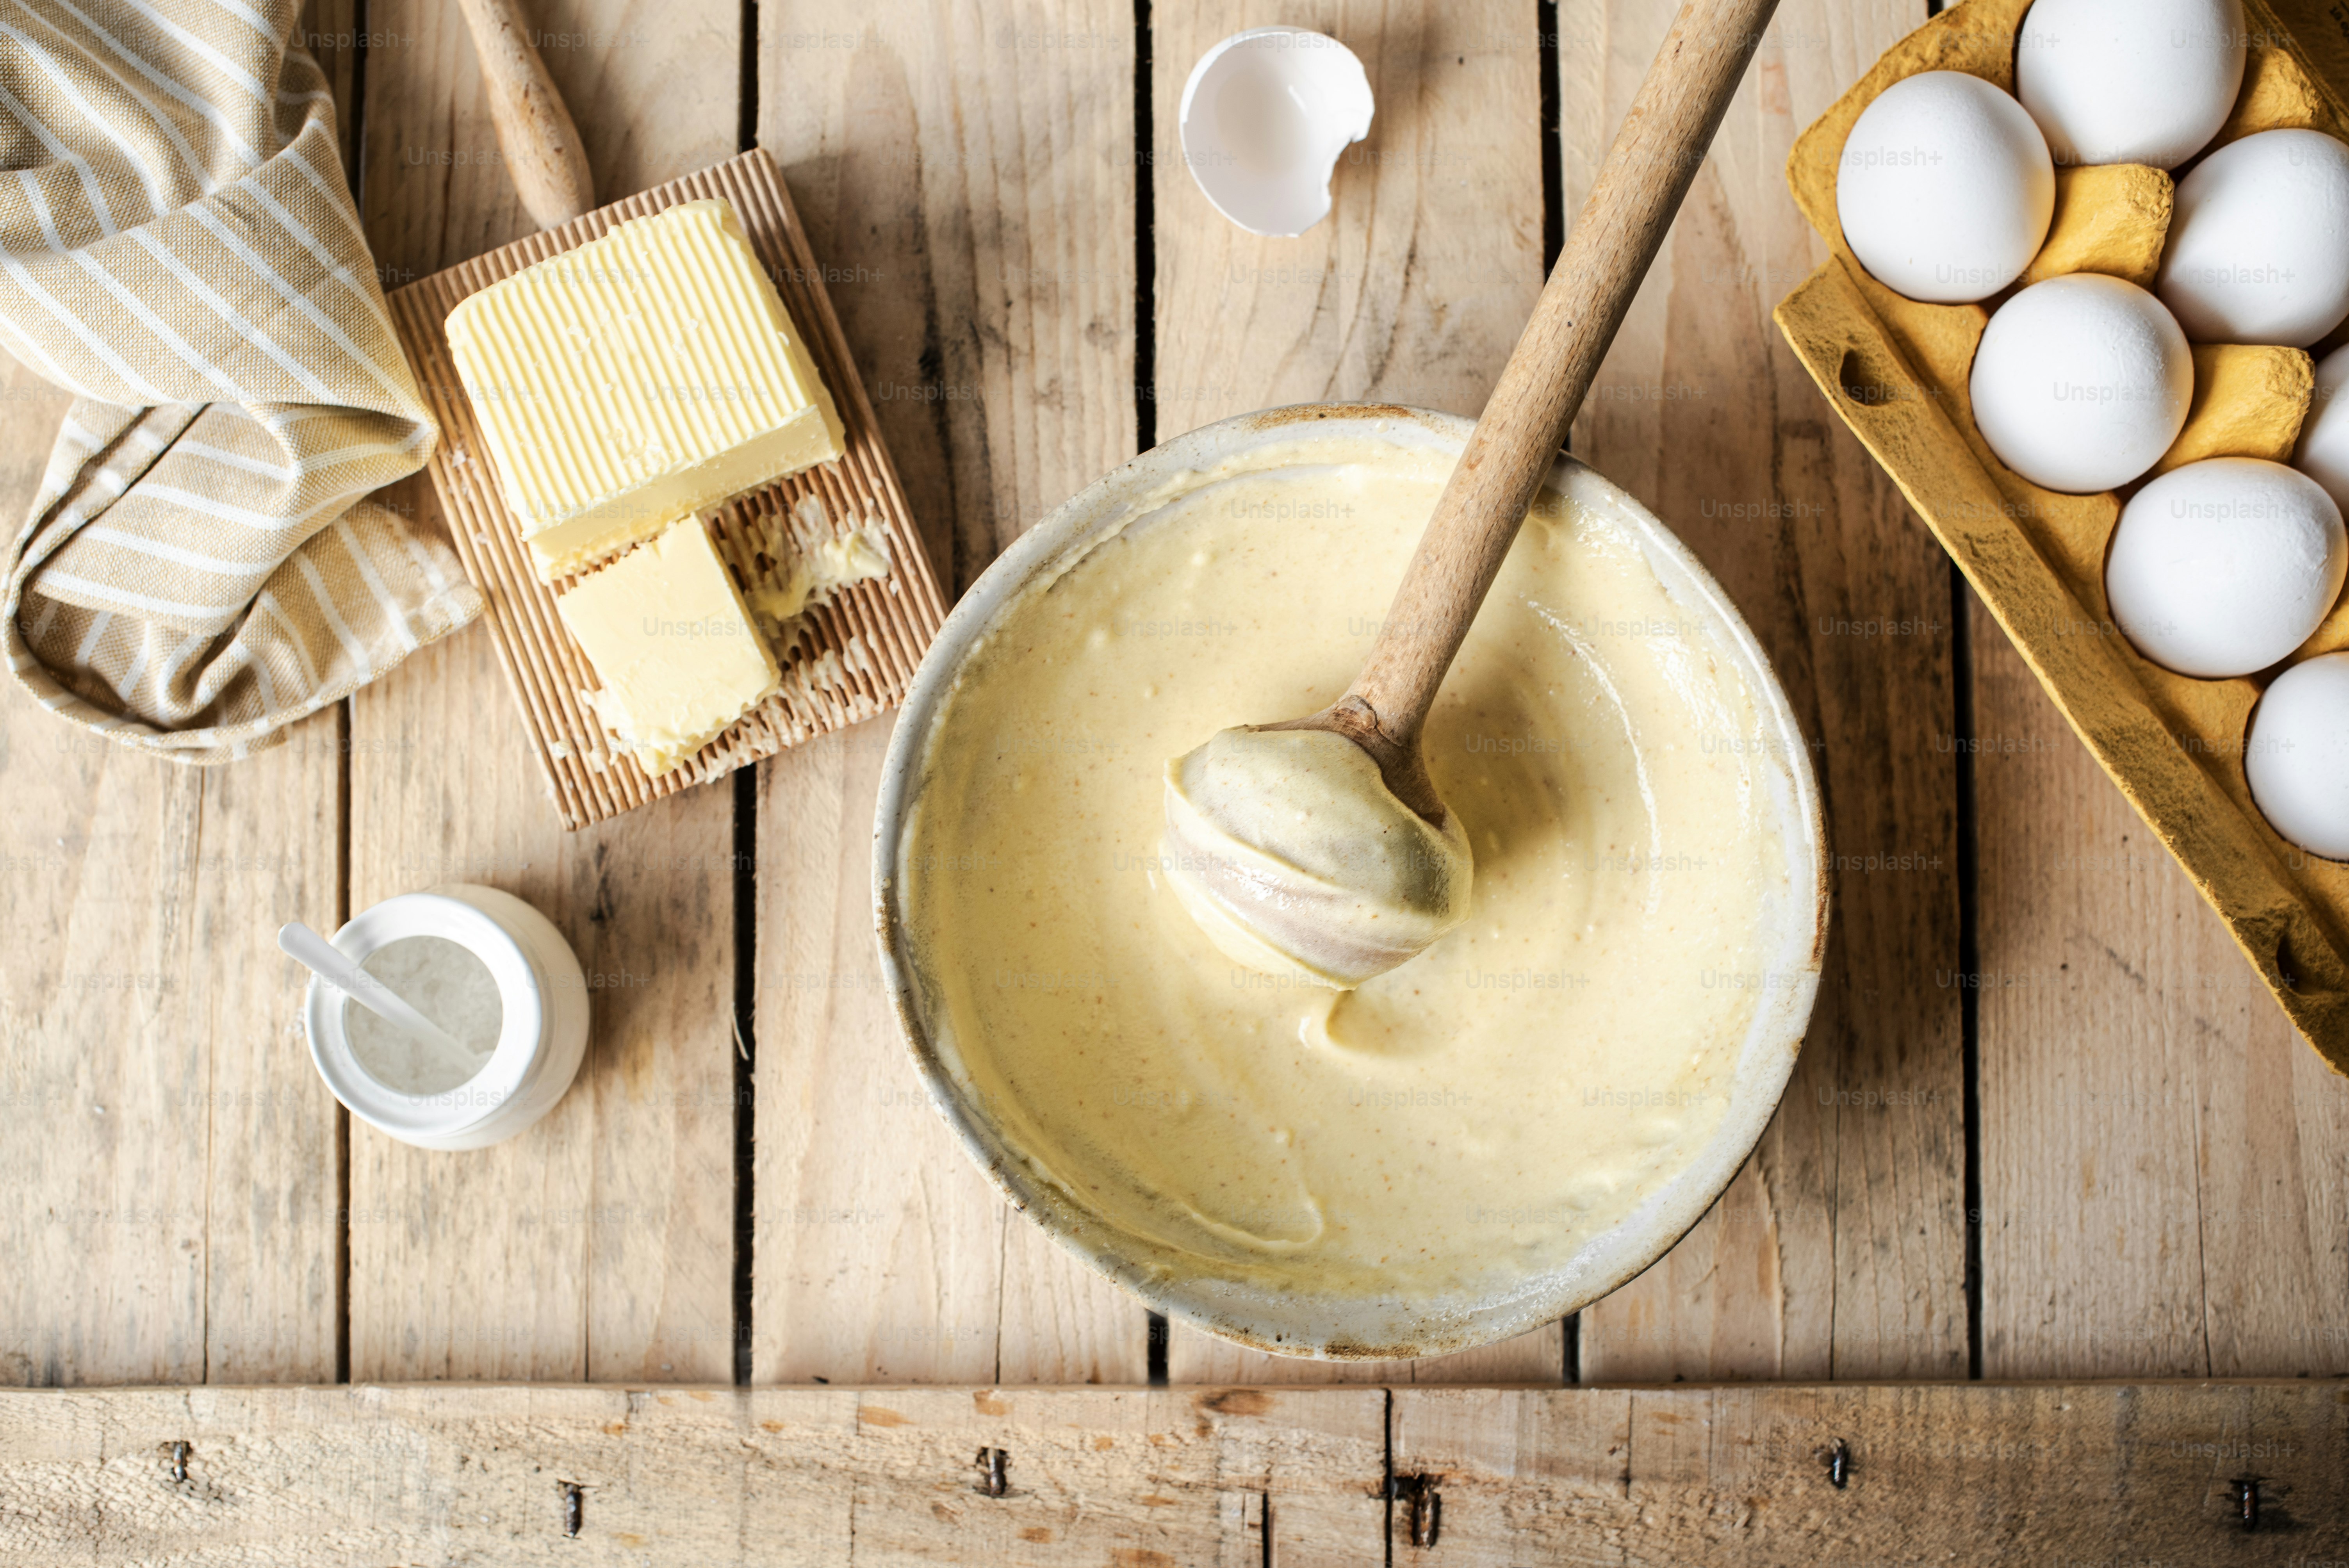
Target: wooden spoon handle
[[1623, 225], [542, 146]]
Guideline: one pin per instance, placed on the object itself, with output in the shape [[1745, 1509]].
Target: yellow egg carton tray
[[1897, 372]]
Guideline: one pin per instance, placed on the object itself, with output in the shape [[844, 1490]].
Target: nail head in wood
[[1423, 1505]]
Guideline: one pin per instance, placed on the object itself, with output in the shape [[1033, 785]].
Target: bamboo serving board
[[1897, 372], [846, 660]]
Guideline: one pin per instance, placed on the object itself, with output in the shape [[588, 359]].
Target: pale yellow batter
[[1460, 1124]]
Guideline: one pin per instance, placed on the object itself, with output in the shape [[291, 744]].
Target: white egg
[[2082, 382], [1945, 190], [2129, 81], [2259, 241], [2324, 450], [2221, 568], [2297, 757]]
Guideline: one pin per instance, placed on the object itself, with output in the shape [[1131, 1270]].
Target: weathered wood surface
[[599, 1244], [1413, 291], [2164, 1187], [1742, 1475], [168, 1212], [968, 174], [1963, 1473], [2164, 1172], [1840, 1248], [698, 1478]]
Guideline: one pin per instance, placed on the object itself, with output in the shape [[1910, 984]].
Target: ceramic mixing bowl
[[1298, 1322]]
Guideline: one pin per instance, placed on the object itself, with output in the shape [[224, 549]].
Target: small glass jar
[[541, 1037]]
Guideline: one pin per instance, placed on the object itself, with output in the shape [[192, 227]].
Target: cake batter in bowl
[[1490, 1136]]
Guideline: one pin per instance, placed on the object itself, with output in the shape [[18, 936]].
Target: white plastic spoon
[[321, 958]]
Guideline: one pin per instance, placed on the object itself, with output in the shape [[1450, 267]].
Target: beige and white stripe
[[178, 249]]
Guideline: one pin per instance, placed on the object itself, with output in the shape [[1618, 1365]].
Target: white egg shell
[[2082, 382], [2324, 450], [2223, 567], [2259, 242], [1265, 115], [1945, 189], [2297, 756], [2129, 81]]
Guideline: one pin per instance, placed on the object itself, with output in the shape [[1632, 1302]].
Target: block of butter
[[672, 644], [643, 376]]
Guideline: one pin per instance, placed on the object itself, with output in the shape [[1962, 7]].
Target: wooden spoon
[[542, 146], [1283, 849], [1639, 187]]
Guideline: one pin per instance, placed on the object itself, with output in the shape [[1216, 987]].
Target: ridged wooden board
[[1896, 372], [855, 653]]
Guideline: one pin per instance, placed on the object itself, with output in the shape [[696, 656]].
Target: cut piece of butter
[[802, 579], [644, 374], [672, 644]]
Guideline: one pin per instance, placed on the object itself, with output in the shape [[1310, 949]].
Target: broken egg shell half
[[1264, 118]]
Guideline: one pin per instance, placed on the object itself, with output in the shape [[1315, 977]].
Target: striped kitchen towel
[[179, 250]]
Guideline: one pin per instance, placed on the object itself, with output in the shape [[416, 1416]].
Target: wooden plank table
[[2047, 1125]]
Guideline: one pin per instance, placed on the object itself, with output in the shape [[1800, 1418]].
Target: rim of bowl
[[1357, 1328]]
